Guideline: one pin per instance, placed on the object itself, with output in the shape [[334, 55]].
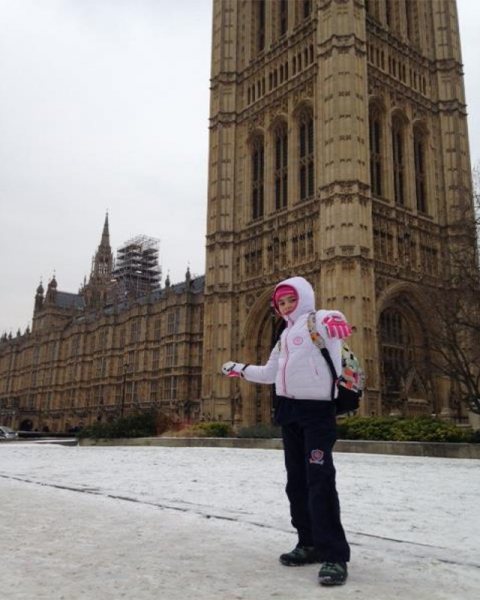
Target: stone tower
[[338, 148], [96, 291]]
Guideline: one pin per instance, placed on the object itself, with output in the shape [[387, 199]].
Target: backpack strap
[[320, 344]]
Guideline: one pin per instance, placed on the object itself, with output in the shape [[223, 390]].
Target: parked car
[[7, 434]]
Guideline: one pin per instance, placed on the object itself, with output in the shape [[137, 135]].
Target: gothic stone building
[[338, 150], [92, 356]]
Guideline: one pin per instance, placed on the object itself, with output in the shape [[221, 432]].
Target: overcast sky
[[104, 106]]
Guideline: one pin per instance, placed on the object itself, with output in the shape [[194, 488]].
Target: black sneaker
[[333, 573], [300, 555]]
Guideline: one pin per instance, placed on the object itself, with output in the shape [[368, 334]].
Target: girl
[[306, 413]]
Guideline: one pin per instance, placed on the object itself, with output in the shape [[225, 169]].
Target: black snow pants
[[309, 434]]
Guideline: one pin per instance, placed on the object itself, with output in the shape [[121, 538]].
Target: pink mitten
[[337, 327]]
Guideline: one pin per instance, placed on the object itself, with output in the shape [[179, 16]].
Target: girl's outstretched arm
[[254, 373]]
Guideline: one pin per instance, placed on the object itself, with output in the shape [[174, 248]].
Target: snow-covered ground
[[209, 523]]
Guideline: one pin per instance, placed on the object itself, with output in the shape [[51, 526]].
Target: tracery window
[[257, 185], [254, 257], [173, 321], [412, 21], [307, 8], [376, 153], [389, 12], [429, 257], [383, 242], [283, 14], [134, 331], [171, 355], [154, 396], [397, 350], [170, 388], [306, 156], [98, 395], [281, 166], [419, 148], [398, 147], [392, 15], [259, 8]]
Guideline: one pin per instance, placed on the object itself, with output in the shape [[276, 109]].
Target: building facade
[[93, 357], [339, 152]]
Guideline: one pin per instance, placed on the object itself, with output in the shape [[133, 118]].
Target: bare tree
[[455, 309]]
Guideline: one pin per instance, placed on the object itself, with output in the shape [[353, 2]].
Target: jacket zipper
[[284, 376]]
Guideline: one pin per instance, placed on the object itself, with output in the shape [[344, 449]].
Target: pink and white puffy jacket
[[296, 365]]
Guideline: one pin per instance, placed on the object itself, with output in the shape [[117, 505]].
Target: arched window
[[419, 149], [257, 185], [398, 148], [376, 167], [389, 12], [392, 15], [412, 21], [259, 20], [306, 156], [307, 8], [283, 17], [397, 351], [281, 166]]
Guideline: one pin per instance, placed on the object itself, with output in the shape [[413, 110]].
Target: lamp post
[[124, 380]]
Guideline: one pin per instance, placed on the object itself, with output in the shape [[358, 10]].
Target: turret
[[51, 296], [39, 299]]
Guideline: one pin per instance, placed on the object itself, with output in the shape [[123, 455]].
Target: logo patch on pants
[[316, 457]]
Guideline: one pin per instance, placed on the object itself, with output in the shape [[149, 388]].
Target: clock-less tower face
[[338, 137]]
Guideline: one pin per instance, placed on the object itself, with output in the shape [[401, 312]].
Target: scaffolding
[[137, 271]]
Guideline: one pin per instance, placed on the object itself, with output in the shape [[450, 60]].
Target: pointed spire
[[102, 264], [40, 289], [39, 298], [96, 290], [105, 242]]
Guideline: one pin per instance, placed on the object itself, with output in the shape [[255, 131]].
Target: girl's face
[[287, 304]]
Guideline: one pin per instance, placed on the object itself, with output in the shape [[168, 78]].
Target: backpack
[[351, 381]]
